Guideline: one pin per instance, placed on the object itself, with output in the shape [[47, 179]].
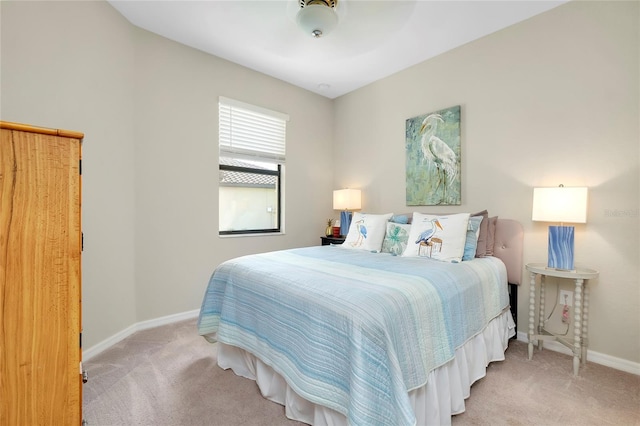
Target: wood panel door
[[40, 247]]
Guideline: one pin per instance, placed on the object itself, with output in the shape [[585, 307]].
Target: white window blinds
[[248, 131]]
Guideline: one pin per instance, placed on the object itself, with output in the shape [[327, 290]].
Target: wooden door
[[40, 246]]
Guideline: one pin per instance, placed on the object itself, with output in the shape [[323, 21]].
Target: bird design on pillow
[[362, 233], [426, 240]]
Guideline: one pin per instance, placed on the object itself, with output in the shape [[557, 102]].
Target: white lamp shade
[[560, 204], [347, 199], [317, 19]]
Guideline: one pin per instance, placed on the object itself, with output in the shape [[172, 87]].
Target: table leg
[[532, 310], [542, 319], [577, 338], [585, 323]]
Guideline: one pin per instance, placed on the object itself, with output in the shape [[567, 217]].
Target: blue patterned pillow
[[399, 218], [473, 231], [395, 240]]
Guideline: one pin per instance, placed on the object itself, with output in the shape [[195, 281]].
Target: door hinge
[[80, 166], [82, 241], [81, 340], [83, 374]]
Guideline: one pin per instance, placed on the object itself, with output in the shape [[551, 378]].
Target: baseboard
[[596, 357], [143, 325]]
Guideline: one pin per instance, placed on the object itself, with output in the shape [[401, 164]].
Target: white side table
[[580, 309]]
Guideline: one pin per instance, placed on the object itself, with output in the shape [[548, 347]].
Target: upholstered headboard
[[508, 247]]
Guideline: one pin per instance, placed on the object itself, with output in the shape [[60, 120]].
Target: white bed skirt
[[443, 396]]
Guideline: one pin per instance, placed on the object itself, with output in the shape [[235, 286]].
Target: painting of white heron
[[433, 158]]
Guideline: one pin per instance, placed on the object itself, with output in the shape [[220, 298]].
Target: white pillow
[[367, 231], [438, 237]]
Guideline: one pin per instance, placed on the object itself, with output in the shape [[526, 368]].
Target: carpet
[[168, 376]]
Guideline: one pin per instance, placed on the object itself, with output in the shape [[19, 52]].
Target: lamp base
[[345, 222], [561, 248]]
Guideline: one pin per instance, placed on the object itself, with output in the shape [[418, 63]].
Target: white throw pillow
[[367, 231], [438, 237]]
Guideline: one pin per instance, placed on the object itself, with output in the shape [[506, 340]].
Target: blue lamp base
[[561, 248], [345, 222]]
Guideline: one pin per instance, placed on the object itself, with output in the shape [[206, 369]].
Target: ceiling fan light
[[317, 19]]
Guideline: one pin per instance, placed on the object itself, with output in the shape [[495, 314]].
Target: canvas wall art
[[433, 158]]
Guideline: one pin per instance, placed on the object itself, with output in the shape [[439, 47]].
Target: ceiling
[[373, 39]]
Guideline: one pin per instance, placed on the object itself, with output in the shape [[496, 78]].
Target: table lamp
[[346, 200], [560, 205]]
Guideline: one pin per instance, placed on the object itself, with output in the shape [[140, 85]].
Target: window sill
[[262, 234]]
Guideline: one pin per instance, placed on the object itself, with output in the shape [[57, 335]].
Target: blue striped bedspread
[[352, 330]]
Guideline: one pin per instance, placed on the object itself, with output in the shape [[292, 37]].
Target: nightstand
[[332, 240], [580, 311]]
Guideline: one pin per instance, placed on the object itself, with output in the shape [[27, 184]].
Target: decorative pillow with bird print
[[438, 237], [367, 231], [395, 240]]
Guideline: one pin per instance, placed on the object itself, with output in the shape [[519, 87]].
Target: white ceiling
[[373, 39]]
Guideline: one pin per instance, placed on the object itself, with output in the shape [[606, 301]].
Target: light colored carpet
[[168, 376]]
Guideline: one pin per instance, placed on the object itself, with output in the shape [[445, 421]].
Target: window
[[252, 157]]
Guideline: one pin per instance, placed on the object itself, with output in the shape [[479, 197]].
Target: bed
[[354, 336]]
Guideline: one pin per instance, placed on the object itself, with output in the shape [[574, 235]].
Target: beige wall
[[176, 218], [70, 65], [551, 100], [148, 108]]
